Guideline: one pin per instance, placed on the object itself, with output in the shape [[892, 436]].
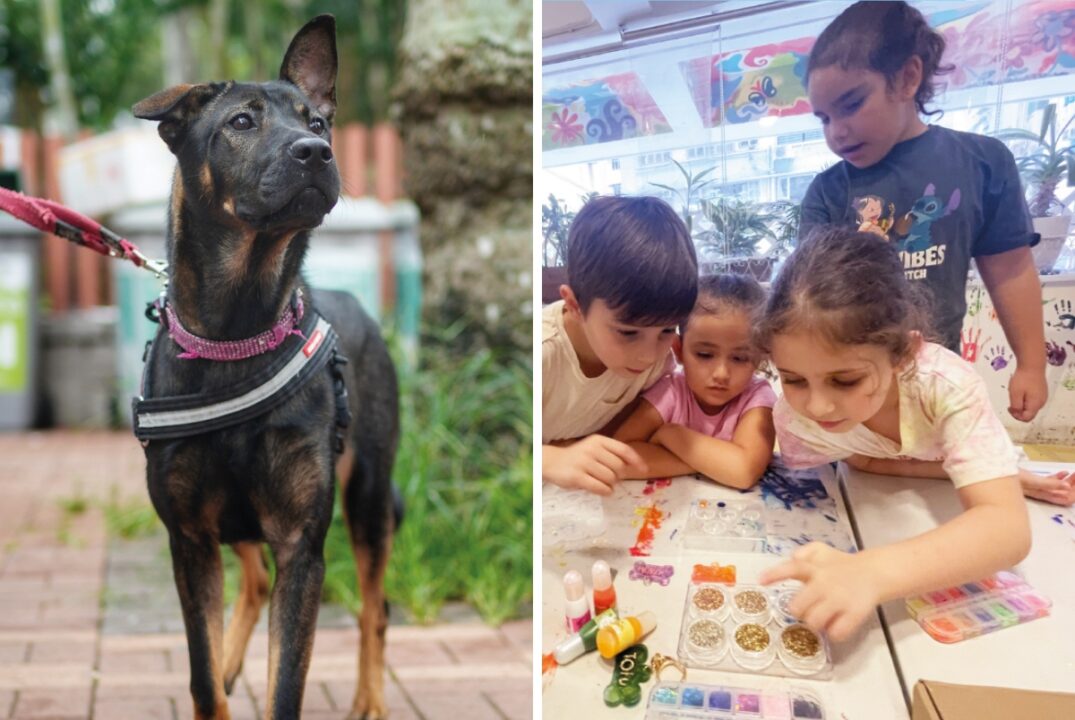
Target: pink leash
[[51, 217]]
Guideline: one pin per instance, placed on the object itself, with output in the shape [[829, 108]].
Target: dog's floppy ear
[[310, 63], [174, 107]]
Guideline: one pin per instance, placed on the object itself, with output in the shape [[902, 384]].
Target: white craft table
[[864, 684], [1038, 655]]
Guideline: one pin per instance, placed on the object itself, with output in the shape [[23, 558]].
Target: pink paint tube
[[578, 607]]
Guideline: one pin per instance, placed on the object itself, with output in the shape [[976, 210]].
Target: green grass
[[75, 505], [130, 518], [465, 470]]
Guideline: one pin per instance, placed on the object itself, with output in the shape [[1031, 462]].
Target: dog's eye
[[241, 122], [317, 125]]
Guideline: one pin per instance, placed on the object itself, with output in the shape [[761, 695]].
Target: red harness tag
[[313, 343]]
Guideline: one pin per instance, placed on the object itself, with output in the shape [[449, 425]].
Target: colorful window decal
[[616, 107], [766, 80], [745, 85]]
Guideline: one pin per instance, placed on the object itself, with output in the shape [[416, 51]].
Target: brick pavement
[[80, 638]]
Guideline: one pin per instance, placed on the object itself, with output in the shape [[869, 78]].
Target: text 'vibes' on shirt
[[942, 198]]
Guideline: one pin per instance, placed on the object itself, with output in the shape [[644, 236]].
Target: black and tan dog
[[255, 174]]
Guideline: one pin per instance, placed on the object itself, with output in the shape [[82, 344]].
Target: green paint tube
[[585, 640]]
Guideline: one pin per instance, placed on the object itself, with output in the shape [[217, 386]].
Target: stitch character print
[[915, 225]]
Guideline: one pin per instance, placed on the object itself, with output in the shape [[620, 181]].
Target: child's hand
[[1027, 392], [1058, 488], [839, 590], [594, 464]]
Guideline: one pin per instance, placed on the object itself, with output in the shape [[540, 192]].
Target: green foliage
[[75, 505], [556, 222], [738, 227], [113, 50], [131, 518], [464, 468], [1044, 159], [692, 187], [368, 33]]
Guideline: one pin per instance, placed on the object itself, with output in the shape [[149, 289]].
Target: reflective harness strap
[[187, 415]]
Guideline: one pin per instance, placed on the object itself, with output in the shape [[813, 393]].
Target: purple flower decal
[[1052, 28]]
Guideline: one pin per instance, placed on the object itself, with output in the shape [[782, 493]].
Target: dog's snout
[[314, 153]]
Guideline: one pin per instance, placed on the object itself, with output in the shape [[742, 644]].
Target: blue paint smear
[[798, 490]]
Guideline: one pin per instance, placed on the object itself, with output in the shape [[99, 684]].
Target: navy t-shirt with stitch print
[[942, 197]]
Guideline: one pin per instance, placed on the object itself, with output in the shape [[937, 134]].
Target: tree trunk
[[61, 118], [180, 65], [463, 105]]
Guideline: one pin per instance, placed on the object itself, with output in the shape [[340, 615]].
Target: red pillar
[[56, 253], [387, 156]]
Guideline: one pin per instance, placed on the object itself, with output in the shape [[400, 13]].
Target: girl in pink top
[[713, 416]]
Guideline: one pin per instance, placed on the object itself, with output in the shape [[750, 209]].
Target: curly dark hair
[[849, 288], [882, 36], [728, 290]]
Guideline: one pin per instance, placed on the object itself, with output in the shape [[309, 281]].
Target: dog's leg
[[370, 562], [300, 572], [253, 591], [199, 580]]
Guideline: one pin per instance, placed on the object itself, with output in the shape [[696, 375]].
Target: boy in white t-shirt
[[632, 279]]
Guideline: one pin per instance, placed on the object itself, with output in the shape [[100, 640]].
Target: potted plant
[[1049, 161], [693, 185], [555, 225], [736, 229]]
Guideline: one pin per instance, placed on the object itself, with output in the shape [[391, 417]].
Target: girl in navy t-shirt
[[941, 196]]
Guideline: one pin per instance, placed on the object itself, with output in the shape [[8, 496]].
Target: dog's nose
[[313, 153]]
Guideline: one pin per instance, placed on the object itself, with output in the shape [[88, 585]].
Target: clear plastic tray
[[746, 628], [692, 701], [570, 517], [972, 609], [725, 525]]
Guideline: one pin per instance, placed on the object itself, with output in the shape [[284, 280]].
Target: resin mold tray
[[683, 700], [746, 628], [728, 525], [976, 608], [570, 516]]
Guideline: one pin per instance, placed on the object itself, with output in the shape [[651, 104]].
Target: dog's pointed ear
[[174, 107], [310, 63]]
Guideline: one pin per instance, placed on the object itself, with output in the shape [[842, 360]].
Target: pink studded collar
[[229, 350]]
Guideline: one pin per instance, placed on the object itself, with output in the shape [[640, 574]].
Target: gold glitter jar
[[802, 650], [706, 641], [710, 600], [751, 605], [752, 646]]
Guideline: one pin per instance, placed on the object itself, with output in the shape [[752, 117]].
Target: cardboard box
[[944, 701]]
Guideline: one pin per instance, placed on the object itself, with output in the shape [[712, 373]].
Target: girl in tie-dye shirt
[[844, 328]]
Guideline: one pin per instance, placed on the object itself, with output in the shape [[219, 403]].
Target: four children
[[887, 236]]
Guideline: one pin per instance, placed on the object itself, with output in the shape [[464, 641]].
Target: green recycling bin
[[20, 250]]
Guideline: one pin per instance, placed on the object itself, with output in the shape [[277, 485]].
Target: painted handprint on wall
[[968, 342], [1055, 354], [998, 357], [1065, 315]]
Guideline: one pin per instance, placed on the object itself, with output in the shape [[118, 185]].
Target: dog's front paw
[[368, 709]]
